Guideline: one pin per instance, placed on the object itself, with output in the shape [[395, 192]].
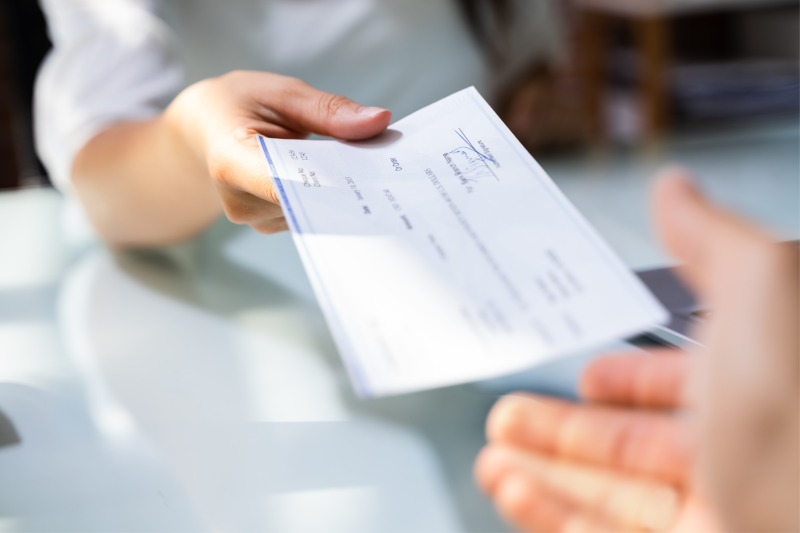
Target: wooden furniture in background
[[9, 164], [649, 21]]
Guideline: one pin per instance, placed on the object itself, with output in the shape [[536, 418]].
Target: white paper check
[[442, 253]]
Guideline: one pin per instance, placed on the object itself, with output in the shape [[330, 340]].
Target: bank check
[[442, 253]]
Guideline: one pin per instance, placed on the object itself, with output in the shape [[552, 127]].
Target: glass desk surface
[[197, 388]]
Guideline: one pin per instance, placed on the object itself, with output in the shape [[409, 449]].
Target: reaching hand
[[164, 179], [629, 460], [220, 118], [747, 384]]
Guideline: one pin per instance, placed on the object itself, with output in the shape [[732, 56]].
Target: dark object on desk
[[675, 296], [559, 377], [683, 309], [8, 433]]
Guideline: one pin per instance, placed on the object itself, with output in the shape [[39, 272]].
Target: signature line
[[483, 157]]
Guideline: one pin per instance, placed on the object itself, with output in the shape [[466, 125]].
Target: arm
[[140, 185], [164, 179], [149, 177]]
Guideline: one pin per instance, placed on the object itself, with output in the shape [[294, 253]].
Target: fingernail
[[370, 111]]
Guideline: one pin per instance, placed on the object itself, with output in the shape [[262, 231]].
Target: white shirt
[[115, 60]]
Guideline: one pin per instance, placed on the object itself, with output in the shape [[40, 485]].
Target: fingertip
[[633, 378], [371, 111], [513, 496], [479, 469], [364, 123], [608, 377], [380, 120], [493, 464], [486, 469], [507, 417], [675, 178], [674, 196], [598, 377], [682, 216]]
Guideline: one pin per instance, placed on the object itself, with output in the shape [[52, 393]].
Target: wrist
[[184, 121]]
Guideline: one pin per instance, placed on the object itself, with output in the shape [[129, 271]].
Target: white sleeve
[[112, 60]]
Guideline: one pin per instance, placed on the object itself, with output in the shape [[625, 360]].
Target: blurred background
[[655, 67], [711, 84], [636, 71], [23, 45]]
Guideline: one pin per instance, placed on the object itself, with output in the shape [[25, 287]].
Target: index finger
[[659, 380]]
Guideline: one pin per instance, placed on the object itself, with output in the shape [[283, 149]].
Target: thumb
[[696, 232], [311, 110], [681, 218]]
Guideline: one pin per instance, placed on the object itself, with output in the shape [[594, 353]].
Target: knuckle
[[329, 104], [220, 170], [287, 85], [237, 213], [269, 193], [271, 226], [244, 135], [235, 75], [623, 445], [292, 82]]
